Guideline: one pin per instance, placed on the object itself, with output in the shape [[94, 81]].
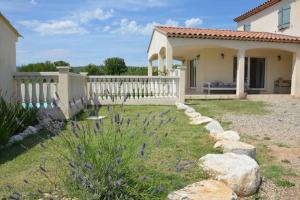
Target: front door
[[257, 73]]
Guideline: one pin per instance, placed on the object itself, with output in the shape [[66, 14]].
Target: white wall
[[267, 20], [8, 41]]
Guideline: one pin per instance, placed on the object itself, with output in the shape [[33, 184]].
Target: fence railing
[[130, 89], [68, 93], [36, 89]]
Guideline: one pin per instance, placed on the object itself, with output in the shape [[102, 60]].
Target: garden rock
[[239, 172], [201, 120], [181, 106], [189, 110], [237, 147], [227, 135], [214, 127], [204, 190], [15, 138], [193, 115]]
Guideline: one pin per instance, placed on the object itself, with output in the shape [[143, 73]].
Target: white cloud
[[97, 14], [33, 2], [126, 26], [70, 25], [106, 28], [193, 22], [55, 27]]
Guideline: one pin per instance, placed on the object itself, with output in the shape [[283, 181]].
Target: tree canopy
[[114, 66]]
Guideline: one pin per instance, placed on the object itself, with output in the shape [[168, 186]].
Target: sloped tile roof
[[257, 9], [226, 35]]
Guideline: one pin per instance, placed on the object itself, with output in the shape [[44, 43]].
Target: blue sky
[[88, 31]]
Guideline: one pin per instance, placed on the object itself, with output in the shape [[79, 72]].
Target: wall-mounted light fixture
[[222, 55], [279, 57]]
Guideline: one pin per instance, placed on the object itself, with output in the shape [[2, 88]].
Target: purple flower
[[79, 149], [142, 151], [57, 96], [118, 183], [42, 169], [97, 126], [87, 166], [118, 161]]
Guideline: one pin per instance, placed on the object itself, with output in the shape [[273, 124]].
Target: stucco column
[[169, 57], [63, 91], [160, 64], [149, 68], [182, 82], [240, 80], [295, 90]]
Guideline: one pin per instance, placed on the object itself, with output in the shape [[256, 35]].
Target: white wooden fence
[[68, 93]]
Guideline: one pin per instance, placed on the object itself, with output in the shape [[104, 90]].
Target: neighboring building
[[8, 38], [258, 58]]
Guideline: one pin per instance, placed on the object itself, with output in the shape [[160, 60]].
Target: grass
[[215, 108], [185, 143]]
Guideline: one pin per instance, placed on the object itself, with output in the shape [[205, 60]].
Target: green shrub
[[14, 119], [110, 163]]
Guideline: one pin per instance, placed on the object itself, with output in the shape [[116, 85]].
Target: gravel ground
[[279, 128]]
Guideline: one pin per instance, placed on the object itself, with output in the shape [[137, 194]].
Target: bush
[[14, 119], [114, 66], [38, 67], [140, 71], [92, 69], [110, 163]]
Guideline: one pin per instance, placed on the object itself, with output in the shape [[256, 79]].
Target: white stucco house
[[261, 57], [8, 38]]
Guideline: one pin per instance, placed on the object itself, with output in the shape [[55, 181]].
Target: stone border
[[236, 167]]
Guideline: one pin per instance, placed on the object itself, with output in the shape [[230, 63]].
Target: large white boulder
[[181, 106], [193, 115], [190, 110], [200, 120], [239, 172], [204, 190], [214, 127], [227, 135], [236, 147]]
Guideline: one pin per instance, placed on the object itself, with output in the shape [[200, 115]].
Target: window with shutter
[[247, 27], [284, 17]]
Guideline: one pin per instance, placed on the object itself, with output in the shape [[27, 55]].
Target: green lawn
[[185, 144]]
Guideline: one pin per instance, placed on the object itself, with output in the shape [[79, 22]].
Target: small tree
[[93, 69], [114, 66], [61, 63]]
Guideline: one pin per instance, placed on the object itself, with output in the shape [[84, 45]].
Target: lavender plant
[[107, 158]]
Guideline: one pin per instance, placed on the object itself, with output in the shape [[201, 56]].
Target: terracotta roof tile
[[226, 34], [257, 9]]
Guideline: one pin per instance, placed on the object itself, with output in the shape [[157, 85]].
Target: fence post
[[85, 82], [182, 76], [63, 90]]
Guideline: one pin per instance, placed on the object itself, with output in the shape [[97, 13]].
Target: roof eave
[[10, 25]]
